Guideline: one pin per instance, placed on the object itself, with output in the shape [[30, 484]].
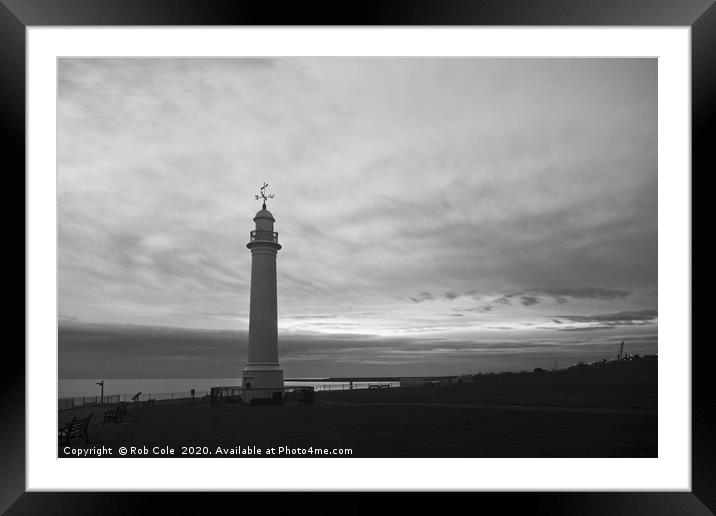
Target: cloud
[[584, 292], [533, 173], [533, 296], [429, 296], [603, 321], [561, 295], [587, 328], [316, 316], [626, 317], [125, 351]]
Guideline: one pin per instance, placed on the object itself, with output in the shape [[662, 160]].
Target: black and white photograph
[[357, 257], [397, 247]]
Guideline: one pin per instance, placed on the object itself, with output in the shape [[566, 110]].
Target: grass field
[[576, 413]]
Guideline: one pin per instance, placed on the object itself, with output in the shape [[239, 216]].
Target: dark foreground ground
[[576, 413]]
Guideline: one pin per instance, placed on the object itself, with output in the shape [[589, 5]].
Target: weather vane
[[263, 195]]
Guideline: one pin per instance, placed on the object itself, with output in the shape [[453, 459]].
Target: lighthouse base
[[262, 376]]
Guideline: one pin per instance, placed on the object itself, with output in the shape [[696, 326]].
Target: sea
[[172, 388]]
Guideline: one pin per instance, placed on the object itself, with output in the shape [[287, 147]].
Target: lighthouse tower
[[263, 370]]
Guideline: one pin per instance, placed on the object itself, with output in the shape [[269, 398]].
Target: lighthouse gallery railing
[[264, 236]]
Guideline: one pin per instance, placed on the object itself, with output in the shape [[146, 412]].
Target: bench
[[115, 414], [112, 415], [75, 428]]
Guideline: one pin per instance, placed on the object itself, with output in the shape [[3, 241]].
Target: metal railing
[[144, 397], [273, 396], [356, 386], [86, 401], [264, 235], [289, 391]]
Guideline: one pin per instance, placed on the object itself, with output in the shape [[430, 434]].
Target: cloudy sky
[[437, 216]]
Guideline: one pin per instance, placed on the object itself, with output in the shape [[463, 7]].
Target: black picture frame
[[17, 15]]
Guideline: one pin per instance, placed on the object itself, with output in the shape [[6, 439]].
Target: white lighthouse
[[263, 370]]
